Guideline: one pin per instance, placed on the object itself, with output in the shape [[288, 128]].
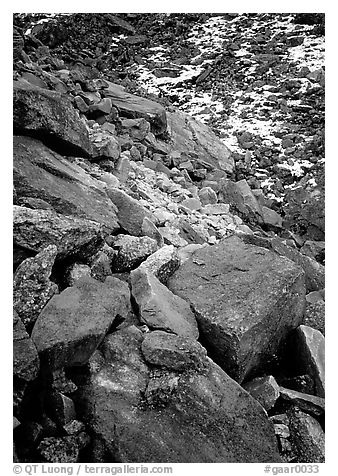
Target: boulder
[[172, 351], [131, 251], [59, 450], [36, 229], [246, 299], [308, 437], [51, 116], [310, 345], [159, 308], [265, 390], [136, 128], [130, 213], [163, 263], [196, 141], [201, 417], [41, 173], [73, 323], [132, 106], [104, 145], [32, 288], [26, 362], [240, 196]]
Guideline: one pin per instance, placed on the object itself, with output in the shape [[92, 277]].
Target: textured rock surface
[[41, 173], [172, 352], [245, 298], [32, 288], [51, 114], [231, 426], [25, 356], [36, 229], [309, 403], [131, 251], [159, 308], [163, 263], [73, 324], [308, 437]]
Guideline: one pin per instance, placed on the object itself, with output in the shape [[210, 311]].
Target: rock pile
[[164, 309]]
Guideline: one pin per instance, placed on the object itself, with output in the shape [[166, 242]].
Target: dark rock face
[[44, 174], [245, 299], [73, 324], [49, 114], [231, 426]]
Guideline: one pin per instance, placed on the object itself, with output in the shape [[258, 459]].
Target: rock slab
[[246, 299]]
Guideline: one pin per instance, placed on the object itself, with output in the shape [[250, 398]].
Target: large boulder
[[41, 173], [51, 116], [36, 229], [159, 308], [132, 106], [196, 416], [246, 299], [74, 323], [195, 141]]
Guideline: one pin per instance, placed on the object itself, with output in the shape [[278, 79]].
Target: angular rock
[[309, 403], [311, 355], [192, 204], [50, 115], [159, 308], [265, 390], [240, 196], [59, 450], [308, 437], [198, 143], [270, 217], [130, 213], [207, 196], [136, 128], [131, 251], [41, 173], [61, 408], [133, 106], [73, 324], [149, 229], [32, 288], [216, 209], [163, 263], [172, 352], [314, 272], [245, 298], [76, 271], [104, 145], [102, 107], [26, 362], [36, 229], [100, 266]]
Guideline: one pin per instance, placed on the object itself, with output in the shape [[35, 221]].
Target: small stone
[[104, 106], [216, 209], [207, 196], [100, 266], [149, 229], [81, 104], [265, 390], [192, 204], [270, 217]]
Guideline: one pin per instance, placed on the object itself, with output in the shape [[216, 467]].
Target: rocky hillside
[[168, 238]]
